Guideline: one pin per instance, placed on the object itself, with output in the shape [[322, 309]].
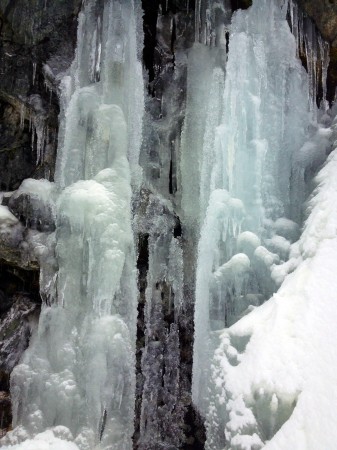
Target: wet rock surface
[[5, 412], [324, 15], [19, 310], [37, 44]]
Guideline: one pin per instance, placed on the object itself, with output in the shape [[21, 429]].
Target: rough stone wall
[[37, 44], [324, 15]]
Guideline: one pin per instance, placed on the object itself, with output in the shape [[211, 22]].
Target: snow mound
[[274, 370], [55, 439]]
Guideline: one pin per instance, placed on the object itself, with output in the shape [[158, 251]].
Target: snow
[[6, 217], [279, 245], [248, 242], [48, 440], [286, 374], [41, 189], [287, 228]]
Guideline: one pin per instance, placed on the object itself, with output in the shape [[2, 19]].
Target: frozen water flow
[[249, 167], [79, 370]]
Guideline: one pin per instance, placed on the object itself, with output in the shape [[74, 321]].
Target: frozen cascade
[[246, 165], [235, 167], [79, 369]]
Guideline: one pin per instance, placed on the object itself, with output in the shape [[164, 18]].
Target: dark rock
[[16, 281], [37, 42], [5, 412], [241, 4], [324, 15], [15, 331]]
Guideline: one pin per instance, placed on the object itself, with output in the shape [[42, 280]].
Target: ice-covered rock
[[34, 204]]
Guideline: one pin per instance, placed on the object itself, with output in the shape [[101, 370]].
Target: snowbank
[[56, 439], [275, 370]]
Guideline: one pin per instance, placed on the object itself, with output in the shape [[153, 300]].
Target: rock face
[[324, 15], [37, 45], [19, 310], [5, 415]]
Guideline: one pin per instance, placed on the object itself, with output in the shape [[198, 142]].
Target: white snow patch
[[41, 189], [287, 373], [6, 217], [56, 439]]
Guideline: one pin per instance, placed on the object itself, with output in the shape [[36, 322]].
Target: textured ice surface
[[39, 188], [257, 118], [79, 370], [285, 373], [258, 144]]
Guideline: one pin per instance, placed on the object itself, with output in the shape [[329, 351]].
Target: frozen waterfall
[[250, 178], [214, 195], [78, 374]]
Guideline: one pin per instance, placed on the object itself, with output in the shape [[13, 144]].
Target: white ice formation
[[252, 140], [256, 364], [79, 369]]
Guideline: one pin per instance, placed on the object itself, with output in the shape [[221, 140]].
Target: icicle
[[22, 116], [325, 60], [96, 49], [203, 22], [316, 50], [311, 58], [33, 138], [38, 138], [34, 72]]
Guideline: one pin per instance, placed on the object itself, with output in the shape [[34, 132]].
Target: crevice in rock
[[240, 4], [142, 267], [150, 16]]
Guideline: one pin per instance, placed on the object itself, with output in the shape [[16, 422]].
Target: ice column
[[79, 370], [256, 120]]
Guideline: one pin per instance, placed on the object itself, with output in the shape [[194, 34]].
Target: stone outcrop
[[324, 14]]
